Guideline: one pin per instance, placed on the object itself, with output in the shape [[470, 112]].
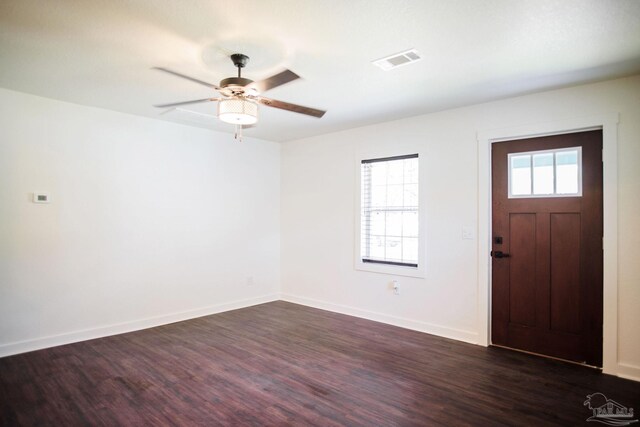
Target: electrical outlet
[[250, 281]]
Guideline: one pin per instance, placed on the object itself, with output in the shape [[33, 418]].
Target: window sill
[[394, 270]]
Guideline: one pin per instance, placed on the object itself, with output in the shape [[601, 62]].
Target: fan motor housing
[[234, 86], [235, 81]]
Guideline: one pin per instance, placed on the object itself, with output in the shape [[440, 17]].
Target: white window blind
[[389, 216]]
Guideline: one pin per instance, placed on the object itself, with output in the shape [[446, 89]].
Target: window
[[548, 173], [389, 214]]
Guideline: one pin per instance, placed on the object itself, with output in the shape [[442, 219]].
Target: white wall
[[154, 222], [151, 222], [318, 195]]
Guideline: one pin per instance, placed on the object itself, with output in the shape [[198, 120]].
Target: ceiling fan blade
[[210, 85], [195, 101], [291, 107], [276, 80]]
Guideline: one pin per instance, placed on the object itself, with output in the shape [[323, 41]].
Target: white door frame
[[609, 125]]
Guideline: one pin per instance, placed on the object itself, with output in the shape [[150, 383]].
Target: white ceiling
[[100, 53]]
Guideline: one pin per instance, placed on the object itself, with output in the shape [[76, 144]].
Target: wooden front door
[[547, 246]]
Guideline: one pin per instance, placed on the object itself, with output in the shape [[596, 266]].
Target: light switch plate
[[468, 233]]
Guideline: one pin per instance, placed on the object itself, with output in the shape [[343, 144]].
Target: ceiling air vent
[[398, 59]]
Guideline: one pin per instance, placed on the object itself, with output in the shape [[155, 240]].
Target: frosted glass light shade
[[238, 111]]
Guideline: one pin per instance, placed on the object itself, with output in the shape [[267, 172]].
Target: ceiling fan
[[239, 97]]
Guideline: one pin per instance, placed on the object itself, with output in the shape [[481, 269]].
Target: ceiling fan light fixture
[[238, 111], [239, 96]]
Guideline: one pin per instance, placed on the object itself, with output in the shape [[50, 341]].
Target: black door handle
[[499, 254]]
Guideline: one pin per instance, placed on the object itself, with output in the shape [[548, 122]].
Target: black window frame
[[362, 210]]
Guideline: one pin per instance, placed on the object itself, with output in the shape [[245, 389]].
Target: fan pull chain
[[238, 135]]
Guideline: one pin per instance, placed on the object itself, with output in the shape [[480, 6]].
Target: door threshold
[[573, 362]]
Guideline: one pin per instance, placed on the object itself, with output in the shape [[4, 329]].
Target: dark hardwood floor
[[286, 364]]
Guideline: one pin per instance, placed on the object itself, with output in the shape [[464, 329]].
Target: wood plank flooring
[[285, 364]]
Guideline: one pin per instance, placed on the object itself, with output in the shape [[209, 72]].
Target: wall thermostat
[[41, 197]]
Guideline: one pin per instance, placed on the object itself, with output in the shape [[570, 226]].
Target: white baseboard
[[623, 370], [629, 372], [121, 328], [429, 328]]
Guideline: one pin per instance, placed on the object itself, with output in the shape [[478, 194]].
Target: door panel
[[547, 294], [565, 272], [522, 269]]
